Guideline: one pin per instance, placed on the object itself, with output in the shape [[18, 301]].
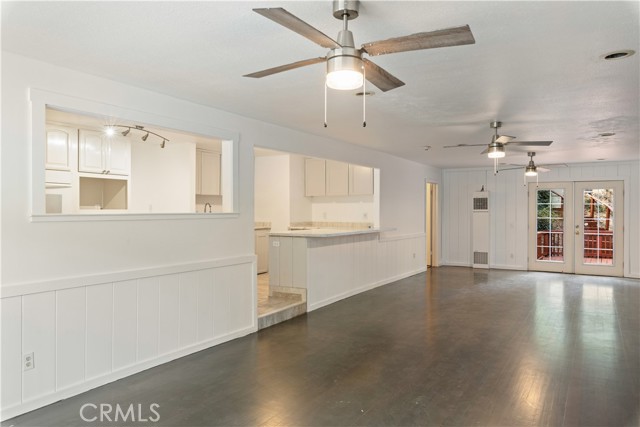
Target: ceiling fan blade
[[541, 169], [380, 77], [292, 22], [454, 36], [532, 143], [485, 151], [505, 138], [464, 145], [287, 67]]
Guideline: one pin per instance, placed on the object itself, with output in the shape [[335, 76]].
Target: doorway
[[576, 227], [431, 229]]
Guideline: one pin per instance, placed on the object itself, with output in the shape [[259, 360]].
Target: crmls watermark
[[91, 412]]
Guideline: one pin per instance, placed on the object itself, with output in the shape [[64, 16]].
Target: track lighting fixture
[[110, 131]]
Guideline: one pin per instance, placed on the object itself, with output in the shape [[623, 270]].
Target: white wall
[[300, 205], [344, 209], [43, 259], [509, 211], [272, 191]]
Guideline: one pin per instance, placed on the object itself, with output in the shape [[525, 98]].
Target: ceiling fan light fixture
[[531, 171], [496, 150], [344, 72]]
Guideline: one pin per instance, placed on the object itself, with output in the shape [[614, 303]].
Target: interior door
[[551, 226], [598, 228]]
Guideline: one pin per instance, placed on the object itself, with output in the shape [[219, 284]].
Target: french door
[[576, 227]]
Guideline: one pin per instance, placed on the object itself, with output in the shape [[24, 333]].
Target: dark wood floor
[[453, 346]]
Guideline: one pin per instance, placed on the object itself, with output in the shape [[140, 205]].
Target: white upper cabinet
[[315, 180], [103, 155], [337, 175], [360, 180], [59, 143], [207, 173], [332, 178]]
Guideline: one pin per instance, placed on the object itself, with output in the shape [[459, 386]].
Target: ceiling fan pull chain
[[364, 97], [495, 166], [325, 104]]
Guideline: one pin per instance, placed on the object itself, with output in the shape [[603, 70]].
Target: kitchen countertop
[[325, 232]]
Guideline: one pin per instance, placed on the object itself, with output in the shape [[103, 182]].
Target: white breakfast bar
[[333, 264]]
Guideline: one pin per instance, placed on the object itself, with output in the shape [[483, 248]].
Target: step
[[297, 308]]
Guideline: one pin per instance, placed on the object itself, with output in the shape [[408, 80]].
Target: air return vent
[[481, 202]]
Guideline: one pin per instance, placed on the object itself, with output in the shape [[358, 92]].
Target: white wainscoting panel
[[99, 344], [88, 334], [148, 318], [39, 337], [11, 348], [125, 304], [71, 331], [169, 313], [359, 263]]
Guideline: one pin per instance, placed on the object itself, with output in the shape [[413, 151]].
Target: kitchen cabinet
[[333, 178], [360, 180], [60, 140], [207, 173], [337, 178], [314, 177], [103, 155], [262, 249]]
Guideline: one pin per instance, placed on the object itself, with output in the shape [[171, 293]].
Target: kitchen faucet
[[205, 207]]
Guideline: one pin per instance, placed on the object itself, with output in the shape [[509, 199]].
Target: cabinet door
[[198, 173], [337, 178], [314, 177], [210, 173], [360, 180], [119, 156], [59, 140], [91, 148]]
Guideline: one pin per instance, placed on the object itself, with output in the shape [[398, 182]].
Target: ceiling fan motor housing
[[349, 8]]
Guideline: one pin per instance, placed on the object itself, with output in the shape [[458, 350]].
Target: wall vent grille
[[481, 258], [480, 203]]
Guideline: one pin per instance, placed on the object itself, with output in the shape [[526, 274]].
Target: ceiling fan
[[346, 67], [531, 169], [496, 148]]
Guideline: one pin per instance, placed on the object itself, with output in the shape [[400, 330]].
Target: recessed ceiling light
[[601, 159], [619, 54], [605, 134], [368, 93], [427, 147]]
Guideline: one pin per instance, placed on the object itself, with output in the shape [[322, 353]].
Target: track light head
[[163, 142], [144, 138], [126, 132]]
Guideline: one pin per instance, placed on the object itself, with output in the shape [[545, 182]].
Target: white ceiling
[[536, 66]]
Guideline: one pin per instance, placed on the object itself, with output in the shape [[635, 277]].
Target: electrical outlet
[[276, 244], [28, 361]]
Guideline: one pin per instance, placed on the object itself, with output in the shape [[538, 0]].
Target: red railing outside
[[598, 244], [550, 244]]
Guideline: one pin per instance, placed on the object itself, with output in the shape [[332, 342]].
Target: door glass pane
[[550, 225], [598, 225]]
